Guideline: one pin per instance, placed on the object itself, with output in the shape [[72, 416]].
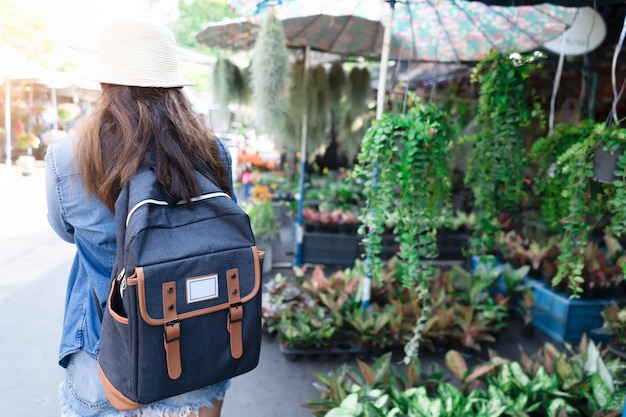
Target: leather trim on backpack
[[235, 313], [137, 278], [171, 331], [115, 397]]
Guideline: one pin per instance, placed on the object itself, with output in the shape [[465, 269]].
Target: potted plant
[[615, 322], [27, 141], [608, 165], [571, 196], [497, 165], [263, 222], [404, 167]]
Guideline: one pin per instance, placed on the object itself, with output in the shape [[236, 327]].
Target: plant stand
[[451, 246], [329, 248], [336, 348]]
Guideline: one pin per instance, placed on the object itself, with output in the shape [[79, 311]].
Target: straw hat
[[138, 53]]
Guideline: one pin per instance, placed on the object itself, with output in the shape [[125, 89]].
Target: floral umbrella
[[435, 30]]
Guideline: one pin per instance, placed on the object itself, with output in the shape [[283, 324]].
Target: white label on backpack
[[202, 288]]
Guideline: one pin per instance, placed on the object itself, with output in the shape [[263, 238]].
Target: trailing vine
[[498, 159], [579, 171], [570, 195], [404, 165]]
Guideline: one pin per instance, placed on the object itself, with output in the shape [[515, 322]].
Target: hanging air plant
[[220, 83], [270, 75], [355, 120], [360, 90], [312, 87], [229, 84], [337, 83], [318, 109], [290, 137], [239, 87]]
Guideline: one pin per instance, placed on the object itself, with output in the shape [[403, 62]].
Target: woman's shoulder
[[61, 153]]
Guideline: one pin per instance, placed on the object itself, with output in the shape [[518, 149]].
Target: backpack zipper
[[121, 278], [165, 203]]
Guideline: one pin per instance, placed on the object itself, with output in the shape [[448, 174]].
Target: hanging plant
[[337, 83], [497, 163], [404, 166], [313, 88], [270, 75], [355, 119], [360, 90], [239, 88], [318, 107], [221, 83], [291, 134], [573, 198]]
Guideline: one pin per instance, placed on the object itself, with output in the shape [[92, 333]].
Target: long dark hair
[[130, 126]]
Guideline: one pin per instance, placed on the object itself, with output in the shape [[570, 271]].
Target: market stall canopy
[[345, 35]]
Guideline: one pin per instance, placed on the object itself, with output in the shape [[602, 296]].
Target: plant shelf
[[337, 348], [329, 248]]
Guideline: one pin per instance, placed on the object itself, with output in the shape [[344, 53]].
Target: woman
[[142, 117]]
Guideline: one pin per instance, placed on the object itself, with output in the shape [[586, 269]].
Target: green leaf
[[601, 393]]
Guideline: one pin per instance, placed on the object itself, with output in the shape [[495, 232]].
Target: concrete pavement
[[34, 264]]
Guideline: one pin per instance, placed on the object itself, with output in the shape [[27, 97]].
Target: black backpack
[[184, 309]]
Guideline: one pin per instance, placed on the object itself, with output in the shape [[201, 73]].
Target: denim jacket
[[82, 219]]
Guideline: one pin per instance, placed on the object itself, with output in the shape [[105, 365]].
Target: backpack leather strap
[[171, 335], [235, 313]]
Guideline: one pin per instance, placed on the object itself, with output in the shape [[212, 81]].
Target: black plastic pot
[[605, 164]]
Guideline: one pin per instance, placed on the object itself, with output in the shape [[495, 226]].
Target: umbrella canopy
[[436, 30], [342, 35], [238, 34], [569, 3]]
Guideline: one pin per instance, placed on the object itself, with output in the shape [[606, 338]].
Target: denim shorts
[[82, 394]]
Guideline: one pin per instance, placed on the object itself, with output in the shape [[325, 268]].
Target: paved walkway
[[34, 264]]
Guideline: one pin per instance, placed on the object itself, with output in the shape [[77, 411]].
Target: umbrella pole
[[300, 227], [380, 107]]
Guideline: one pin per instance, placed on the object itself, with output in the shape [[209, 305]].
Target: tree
[[194, 15], [22, 27]]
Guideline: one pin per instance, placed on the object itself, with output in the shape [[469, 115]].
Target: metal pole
[[380, 107], [300, 225], [7, 120], [384, 61]]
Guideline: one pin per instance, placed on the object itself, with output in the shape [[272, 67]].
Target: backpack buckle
[[235, 313], [172, 331]]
